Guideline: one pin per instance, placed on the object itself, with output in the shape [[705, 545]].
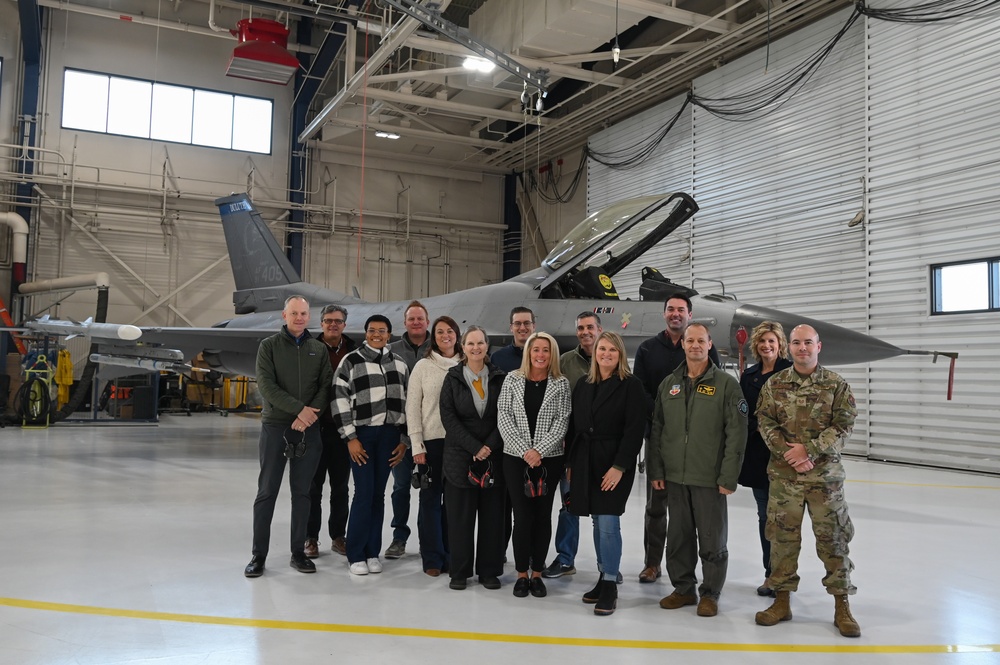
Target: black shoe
[[300, 563], [521, 587], [490, 582], [558, 570], [255, 568], [537, 587], [594, 594], [457, 583], [608, 601]]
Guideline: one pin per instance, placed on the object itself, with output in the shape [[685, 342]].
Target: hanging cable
[[928, 12]]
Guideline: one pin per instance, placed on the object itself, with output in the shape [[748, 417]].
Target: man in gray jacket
[[696, 447], [294, 378]]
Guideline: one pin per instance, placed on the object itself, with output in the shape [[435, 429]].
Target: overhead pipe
[[223, 33], [96, 280], [19, 228]]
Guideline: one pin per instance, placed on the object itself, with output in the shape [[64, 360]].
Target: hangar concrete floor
[[127, 545]]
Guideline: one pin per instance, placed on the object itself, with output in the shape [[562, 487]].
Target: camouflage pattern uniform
[[817, 411]]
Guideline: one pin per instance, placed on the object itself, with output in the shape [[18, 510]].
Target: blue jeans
[[401, 498], [608, 545], [364, 526], [567, 529], [432, 523]]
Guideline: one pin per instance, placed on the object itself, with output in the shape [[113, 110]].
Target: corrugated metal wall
[[934, 167], [899, 122], [775, 193]]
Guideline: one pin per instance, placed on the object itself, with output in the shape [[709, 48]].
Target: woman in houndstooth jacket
[[533, 414]]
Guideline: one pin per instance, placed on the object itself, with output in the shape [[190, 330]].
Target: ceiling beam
[[412, 132], [555, 70], [396, 37], [469, 110], [673, 14]]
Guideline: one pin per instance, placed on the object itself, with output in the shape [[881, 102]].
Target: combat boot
[[843, 620], [779, 610]]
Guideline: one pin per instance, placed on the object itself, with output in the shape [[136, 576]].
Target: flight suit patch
[[706, 390], [675, 389]]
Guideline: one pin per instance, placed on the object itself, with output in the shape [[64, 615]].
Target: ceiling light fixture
[[386, 135], [474, 64]]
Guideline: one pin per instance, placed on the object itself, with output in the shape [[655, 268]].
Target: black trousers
[[471, 550], [335, 463], [532, 516], [272, 469]]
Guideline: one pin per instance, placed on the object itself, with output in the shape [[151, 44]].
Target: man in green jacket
[[697, 439], [294, 378]]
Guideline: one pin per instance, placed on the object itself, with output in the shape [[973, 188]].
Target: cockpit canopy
[[585, 261]]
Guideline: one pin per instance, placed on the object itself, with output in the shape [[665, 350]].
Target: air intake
[[261, 55]]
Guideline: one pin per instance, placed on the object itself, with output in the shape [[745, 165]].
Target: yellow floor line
[[498, 637]]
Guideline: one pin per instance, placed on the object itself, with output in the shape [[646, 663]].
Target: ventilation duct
[[262, 54]]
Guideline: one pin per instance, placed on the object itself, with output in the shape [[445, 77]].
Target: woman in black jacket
[[473, 469], [770, 348], [610, 408]]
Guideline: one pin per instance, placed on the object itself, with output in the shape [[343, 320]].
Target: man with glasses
[[334, 462], [294, 378], [522, 326]]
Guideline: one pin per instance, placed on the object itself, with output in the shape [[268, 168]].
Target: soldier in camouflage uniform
[[806, 414]]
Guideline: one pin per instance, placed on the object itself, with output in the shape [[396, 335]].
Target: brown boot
[[843, 620], [778, 611]]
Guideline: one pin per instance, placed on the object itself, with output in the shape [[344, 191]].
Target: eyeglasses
[[377, 331], [331, 322], [522, 324]]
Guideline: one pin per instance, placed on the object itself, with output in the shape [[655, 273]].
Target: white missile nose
[[129, 333]]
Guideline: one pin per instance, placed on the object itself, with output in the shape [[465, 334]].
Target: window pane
[[85, 101], [252, 125], [964, 287], [213, 119], [128, 107], [172, 109]]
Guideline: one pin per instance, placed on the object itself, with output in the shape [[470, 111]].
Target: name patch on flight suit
[[706, 390]]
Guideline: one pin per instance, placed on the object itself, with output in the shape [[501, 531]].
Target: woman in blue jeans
[[369, 395], [610, 408], [769, 347], [427, 434]]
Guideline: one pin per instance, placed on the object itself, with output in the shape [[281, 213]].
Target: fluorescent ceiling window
[[85, 101], [252, 124], [128, 107], [213, 119], [171, 113]]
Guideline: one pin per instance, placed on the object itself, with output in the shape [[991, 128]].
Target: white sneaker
[[361, 568], [374, 565]]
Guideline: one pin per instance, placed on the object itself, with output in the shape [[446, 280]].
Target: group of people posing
[[489, 440]]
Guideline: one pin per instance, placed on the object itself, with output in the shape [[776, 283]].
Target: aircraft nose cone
[[841, 346]]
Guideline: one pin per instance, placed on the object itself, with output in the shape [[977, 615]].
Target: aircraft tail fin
[[257, 259], [263, 274]]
